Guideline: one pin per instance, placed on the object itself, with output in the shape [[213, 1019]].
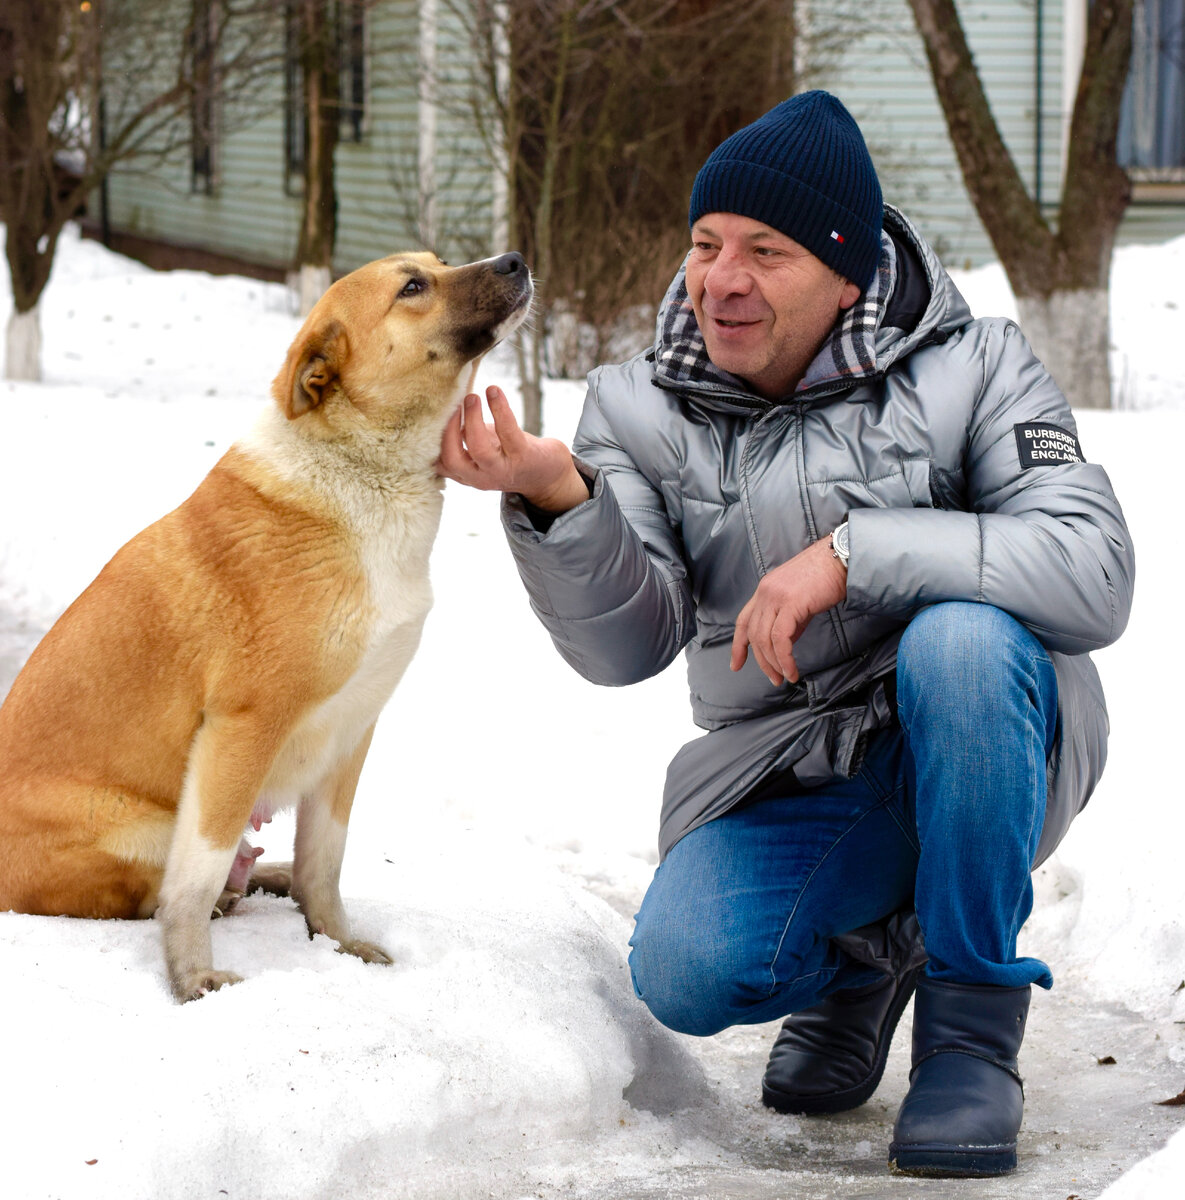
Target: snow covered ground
[[503, 834]]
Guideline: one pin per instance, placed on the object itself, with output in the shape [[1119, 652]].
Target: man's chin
[[730, 358]]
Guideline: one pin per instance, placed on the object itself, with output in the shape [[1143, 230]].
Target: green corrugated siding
[[378, 188], [250, 214], [882, 76], [884, 79]]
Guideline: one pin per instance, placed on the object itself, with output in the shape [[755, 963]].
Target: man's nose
[[727, 276]]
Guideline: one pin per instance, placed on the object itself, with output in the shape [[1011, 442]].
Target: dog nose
[[509, 264]]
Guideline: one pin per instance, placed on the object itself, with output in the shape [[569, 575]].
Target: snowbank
[[503, 831]]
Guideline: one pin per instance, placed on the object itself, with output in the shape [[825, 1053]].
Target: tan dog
[[232, 659]]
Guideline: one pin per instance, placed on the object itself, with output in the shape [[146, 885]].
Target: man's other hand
[[781, 607], [501, 457]]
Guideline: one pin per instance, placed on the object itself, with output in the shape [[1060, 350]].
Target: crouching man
[[868, 519]]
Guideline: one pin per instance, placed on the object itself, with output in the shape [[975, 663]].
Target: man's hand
[[503, 458], [784, 602]]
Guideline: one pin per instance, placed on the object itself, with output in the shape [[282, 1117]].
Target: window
[[294, 110], [1152, 120], [349, 28], [352, 44], [203, 40]]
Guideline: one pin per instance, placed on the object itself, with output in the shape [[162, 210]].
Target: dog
[[231, 660]]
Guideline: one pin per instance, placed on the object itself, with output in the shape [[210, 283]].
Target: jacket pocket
[[889, 483]]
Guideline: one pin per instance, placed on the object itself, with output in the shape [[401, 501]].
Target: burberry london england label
[[1044, 445]]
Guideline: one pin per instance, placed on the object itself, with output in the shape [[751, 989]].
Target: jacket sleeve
[[607, 578], [1046, 543]]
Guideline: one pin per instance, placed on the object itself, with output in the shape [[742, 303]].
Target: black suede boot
[[965, 1101], [830, 1058]]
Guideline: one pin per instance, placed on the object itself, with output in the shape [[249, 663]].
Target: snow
[[503, 832]]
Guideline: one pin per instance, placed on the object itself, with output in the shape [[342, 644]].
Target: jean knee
[[683, 983], [950, 650], [945, 633]]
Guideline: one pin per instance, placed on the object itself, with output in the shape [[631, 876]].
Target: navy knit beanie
[[804, 170]]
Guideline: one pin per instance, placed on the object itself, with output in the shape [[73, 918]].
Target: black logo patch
[[1040, 444]]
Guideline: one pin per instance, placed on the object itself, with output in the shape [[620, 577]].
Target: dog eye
[[413, 286]]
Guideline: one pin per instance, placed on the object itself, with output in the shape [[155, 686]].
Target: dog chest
[[398, 598]]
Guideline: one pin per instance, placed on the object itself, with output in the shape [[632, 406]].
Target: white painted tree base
[[311, 283], [1070, 333], [22, 346]]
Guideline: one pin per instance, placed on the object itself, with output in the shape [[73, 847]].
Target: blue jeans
[[943, 816]]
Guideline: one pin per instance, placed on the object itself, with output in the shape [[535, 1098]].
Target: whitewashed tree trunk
[[1071, 334], [22, 349], [312, 283]]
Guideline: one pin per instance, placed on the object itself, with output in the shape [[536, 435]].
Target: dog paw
[[226, 902], [367, 951], [195, 984]]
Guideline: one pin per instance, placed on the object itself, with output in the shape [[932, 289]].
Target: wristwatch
[[839, 543]]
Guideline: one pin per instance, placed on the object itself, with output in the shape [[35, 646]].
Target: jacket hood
[[910, 302]]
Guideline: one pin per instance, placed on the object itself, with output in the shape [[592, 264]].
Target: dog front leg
[[321, 823], [227, 764]]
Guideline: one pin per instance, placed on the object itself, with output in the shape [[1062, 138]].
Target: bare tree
[[600, 112], [314, 32], [69, 113], [1060, 276]]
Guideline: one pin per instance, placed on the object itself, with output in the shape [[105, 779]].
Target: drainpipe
[[428, 125], [1039, 84]]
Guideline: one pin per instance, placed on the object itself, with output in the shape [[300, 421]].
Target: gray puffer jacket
[[950, 451]]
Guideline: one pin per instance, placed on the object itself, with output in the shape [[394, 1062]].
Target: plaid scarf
[[681, 358]]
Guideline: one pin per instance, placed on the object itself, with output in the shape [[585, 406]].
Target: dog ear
[[314, 365]]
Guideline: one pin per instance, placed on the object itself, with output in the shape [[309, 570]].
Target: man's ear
[[314, 364], [849, 295]]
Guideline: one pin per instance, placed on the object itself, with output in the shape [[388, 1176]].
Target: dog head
[[393, 342]]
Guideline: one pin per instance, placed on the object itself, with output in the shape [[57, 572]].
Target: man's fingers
[[480, 440], [740, 639], [505, 425], [787, 667], [782, 638], [761, 637], [452, 448], [770, 671]]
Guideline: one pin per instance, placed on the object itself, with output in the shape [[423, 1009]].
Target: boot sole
[[853, 1097], [951, 1161]]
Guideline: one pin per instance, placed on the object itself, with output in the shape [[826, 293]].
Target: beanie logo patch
[[836, 236]]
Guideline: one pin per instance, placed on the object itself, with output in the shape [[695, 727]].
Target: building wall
[[254, 210], [883, 77], [391, 197]]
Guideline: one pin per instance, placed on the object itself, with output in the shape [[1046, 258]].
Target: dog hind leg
[[228, 762]]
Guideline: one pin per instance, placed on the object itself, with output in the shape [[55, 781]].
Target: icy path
[[1086, 1122]]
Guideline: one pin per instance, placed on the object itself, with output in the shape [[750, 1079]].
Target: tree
[[67, 116], [314, 29], [600, 112], [1060, 276]]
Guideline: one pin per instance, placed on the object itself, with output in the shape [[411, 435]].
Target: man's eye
[[413, 286]]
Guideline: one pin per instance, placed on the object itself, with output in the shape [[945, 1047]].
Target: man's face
[[763, 302]]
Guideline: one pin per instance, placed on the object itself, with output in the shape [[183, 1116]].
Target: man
[[868, 519]]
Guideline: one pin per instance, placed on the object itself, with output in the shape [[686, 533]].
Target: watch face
[[839, 539]]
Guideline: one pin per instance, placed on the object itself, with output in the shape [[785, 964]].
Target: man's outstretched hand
[[779, 610], [501, 457]]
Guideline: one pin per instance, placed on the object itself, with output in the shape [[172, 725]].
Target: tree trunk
[[544, 218], [318, 230], [1061, 279], [22, 350]]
